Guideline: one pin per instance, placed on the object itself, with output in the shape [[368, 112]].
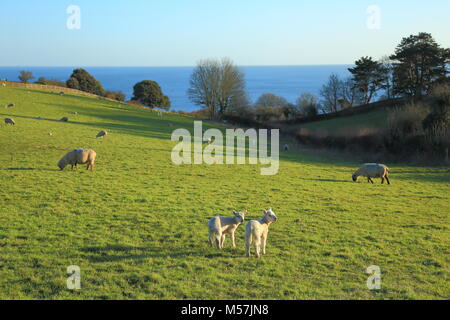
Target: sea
[[286, 81]]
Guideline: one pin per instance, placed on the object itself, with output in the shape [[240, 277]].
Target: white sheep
[[10, 121], [219, 226], [78, 156], [257, 230], [372, 170], [102, 134]]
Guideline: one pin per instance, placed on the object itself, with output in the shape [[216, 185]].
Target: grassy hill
[[136, 226]]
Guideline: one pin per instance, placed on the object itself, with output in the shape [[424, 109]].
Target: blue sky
[[181, 32]]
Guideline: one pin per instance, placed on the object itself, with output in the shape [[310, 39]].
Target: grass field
[[372, 120], [136, 226]]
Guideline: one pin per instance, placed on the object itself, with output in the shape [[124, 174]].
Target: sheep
[[11, 105], [102, 134], [61, 93], [78, 156], [50, 134], [259, 229], [220, 225], [10, 121], [372, 170], [64, 119], [286, 147]]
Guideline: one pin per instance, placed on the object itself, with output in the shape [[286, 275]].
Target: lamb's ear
[[265, 211], [235, 213]]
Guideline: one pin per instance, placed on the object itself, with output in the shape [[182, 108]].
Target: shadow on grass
[[112, 253]]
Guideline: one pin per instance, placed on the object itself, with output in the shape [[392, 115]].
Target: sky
[[182, 32]]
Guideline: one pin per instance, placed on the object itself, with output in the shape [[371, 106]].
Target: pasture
[[136, 226]]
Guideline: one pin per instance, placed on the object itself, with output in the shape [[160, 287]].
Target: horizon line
[[177, 66]]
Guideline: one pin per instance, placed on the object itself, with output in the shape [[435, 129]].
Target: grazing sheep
[[61, 93], [11, 105], [102, 134], [10, 121], [64, 119], [78, 156], [372, 170], [219, 226], [286, 147], [259, 229], [50, 134]]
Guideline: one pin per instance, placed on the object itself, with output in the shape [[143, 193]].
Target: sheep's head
[[354, 177], [269, 215], [240, 215], [61, 165]]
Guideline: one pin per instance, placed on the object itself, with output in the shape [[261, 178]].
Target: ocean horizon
[[286, 81]]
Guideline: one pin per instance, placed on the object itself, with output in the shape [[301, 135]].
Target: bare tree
[[217, 85], [331, 92], [25, 76]]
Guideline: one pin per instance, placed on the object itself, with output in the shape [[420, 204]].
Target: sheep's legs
[[248, 243], [258, 247], [382, 180], [387, 179], [233, 240], [218, 241], [211, 239], [263, 244], [222, 241], [370, 180]]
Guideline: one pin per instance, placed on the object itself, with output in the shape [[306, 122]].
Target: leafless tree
[[217, 85]]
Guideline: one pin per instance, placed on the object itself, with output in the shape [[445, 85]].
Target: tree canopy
[[82, 80], [150, 94]]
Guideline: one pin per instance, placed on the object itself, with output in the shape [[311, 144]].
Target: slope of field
[[372, 120], [136, 226]]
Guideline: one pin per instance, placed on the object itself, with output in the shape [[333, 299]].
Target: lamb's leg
[[233, 240], [263, 243], [211, 239], [382, 180], [218, 237], [222, 241], [387, 179], [258, 246], [248, 243]]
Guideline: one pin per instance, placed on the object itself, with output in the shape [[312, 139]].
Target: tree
[[150, 94], [217, 85], [307, 105], [82, 80], [368, 77], [331, 93], [387, 70], [25, 76], [271, 100], [116, 95], [419, 64]]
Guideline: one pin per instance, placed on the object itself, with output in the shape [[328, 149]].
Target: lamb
[[219, 226], [259, 229], [78, 156], [102, 134], [10, 121], [372, 170]]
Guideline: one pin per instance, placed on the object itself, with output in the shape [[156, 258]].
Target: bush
[[52, 82], [115, 95]]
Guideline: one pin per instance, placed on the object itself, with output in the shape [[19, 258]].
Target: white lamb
[[259, 229], [220, 225]]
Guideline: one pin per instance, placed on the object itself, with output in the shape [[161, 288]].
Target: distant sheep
[[286, 147], [372, 170], [219, 226], [64, 119], [102, 134], [11, 105], [257, 230], [10, 121], [61, 93], [78, 156]]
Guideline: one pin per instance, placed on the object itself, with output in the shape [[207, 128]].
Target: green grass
[[136, 226], [371, 120]]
